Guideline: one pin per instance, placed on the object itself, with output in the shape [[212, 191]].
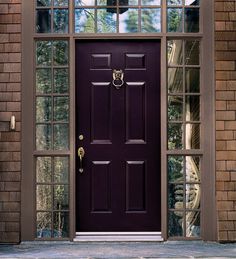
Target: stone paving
[[119, 250]]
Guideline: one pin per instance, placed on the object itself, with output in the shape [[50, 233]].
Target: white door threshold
[[118, 237]]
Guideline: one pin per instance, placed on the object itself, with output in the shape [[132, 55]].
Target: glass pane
[[44, 221], [43, 53], [175, 53], [44, 197], [61, 108], [106, 20], [61, 2], [175, 108], [192, 2], [192, 136], [192, 52], [43, 2], [193, 194], [44, 169], [61, 197], [174, 2], [61, 136], [128, 2], [175, 80], [193, 224], [175, 136], [61, 169], [43, 109], [43, 21], [61, 80], [192, 108], [61, 224], [106, 2], [191, 17], [128, 21], [151, 20], [60, 19], [84, 2], [175, 169], [60, 53], [43, 137], [174, 20], [176, 196], [175, 223], [43, 80], [192, 80], [192, 168], [150, 2], [84, 20]]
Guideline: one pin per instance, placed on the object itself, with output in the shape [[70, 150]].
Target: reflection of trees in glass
[[52, 196], [150, 20], [44, 224], [60, 20], [174, 19], [131, 21], [84, 20], [106, 20], [184, 179]]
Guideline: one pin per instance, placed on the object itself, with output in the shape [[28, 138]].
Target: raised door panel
[[101, 187], [135, 186], [101, 113], [135, 112]]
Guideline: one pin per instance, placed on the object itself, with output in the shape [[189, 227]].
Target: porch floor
[[124, 250]]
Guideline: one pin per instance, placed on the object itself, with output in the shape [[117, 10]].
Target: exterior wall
[[225, 55], [10, 104]]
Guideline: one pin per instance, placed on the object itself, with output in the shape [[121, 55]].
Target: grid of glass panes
[[183, 94], [52, 196], [52, 16], [183, 82], [52, 95], [183, 15], [117, 16], [184, 193]]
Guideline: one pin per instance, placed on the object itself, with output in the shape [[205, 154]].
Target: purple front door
[[119, 129]]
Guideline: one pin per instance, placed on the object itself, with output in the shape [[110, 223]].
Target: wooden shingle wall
[[10, 104], [225, 65]]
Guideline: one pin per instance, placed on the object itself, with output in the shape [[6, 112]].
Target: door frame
[[163, 132], [208, 226]]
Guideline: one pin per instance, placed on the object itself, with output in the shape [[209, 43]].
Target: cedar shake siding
[[225, 66], [10, 104]]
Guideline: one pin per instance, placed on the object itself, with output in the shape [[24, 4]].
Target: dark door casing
[[120, 187]]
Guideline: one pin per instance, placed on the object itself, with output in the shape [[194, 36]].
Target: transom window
[[117, 16]]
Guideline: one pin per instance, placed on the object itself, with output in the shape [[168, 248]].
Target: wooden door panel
[[119, 189], [101, 187], [135, 112], [101, 113], [135, 186]]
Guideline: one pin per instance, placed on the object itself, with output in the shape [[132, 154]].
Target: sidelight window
[[184, 124], [52, 95], [52, 136]]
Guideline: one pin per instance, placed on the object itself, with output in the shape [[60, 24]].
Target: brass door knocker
[[118, 76]]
